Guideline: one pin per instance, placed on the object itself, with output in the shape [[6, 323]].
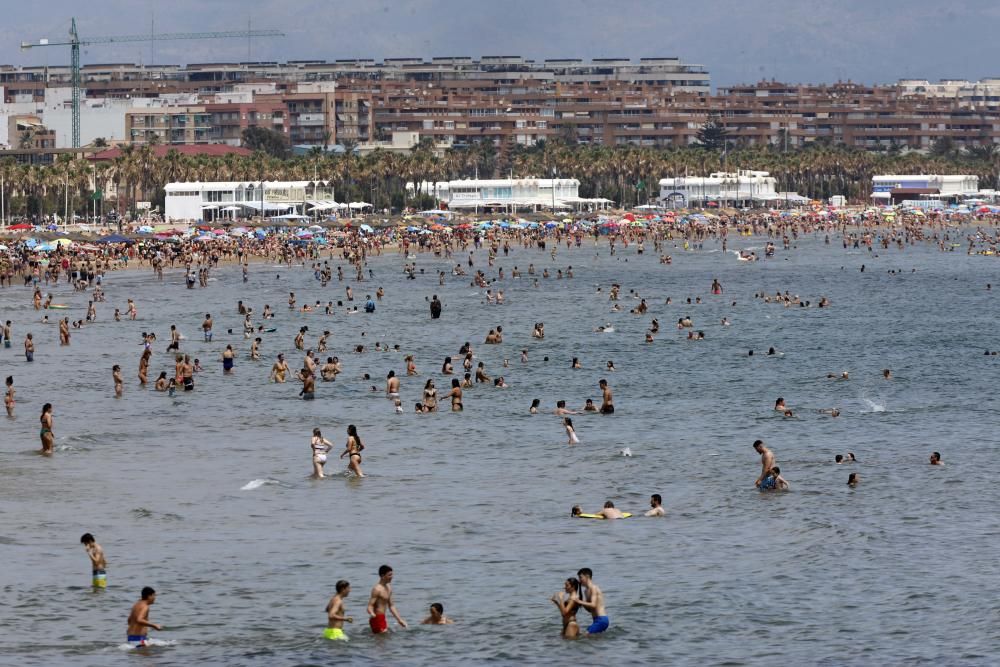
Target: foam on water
[[257, 483]]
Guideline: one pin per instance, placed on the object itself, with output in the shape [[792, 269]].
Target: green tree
[[713, 134], [262, 139]]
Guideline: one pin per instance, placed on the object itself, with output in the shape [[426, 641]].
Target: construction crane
[[75, 43]]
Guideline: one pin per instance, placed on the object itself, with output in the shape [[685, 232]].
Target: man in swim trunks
[[138, 619], [392, 386], [607, 404], [380, 600], [591, 598], [335, 613], [766, 461], [98, 564], [611, 512]]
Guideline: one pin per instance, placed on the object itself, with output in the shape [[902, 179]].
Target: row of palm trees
[[625, 174]]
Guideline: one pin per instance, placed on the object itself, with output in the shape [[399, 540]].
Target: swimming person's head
[[576, 511], [87, 538]]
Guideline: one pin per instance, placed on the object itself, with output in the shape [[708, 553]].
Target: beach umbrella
[[63, 242], [20, 227], [205, 237], [366, 228]]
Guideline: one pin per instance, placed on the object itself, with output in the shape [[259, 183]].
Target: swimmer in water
[[570, 432], [380, 601], [335, 617], [47, 436], [353, 450], [534, 406], [116, 376], [8, 397], [98, 563], [436, 616], [320, 448], [567, 608], [138, 619], [779, 405], [591, 598], [853, 479], [936, 459], [655, 506]]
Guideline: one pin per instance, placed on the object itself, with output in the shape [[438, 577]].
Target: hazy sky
[[738, 40]]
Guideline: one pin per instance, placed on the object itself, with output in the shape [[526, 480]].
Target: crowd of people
[[86, 271]]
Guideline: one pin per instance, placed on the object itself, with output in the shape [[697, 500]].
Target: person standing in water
[[8, 398], [353, 450], [380, 601], [48, 438], [567, 608], [607, 400], [138, 619], [320, 448], [591, 598], [98, 564], [335, 617], [766, 461], [116, 376]]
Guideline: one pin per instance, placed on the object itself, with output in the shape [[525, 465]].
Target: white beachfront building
[[509, 194], [741, 188], [212, 201], [931, 187]]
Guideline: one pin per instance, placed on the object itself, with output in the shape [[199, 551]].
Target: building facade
[[742, 188], [192, 202]]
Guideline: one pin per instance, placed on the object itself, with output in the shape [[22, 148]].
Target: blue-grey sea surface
[[206, 496]]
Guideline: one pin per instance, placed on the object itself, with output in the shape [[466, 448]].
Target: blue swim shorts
[[600, 624]]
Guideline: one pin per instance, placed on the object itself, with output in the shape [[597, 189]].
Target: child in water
[[570, 432]]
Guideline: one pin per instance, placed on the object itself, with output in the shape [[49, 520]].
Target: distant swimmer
[[779, 405], [98, 564], [335, 617], [436, 616], [380, 601], [655, 506], [591, 598], [842, 376], [853, 479], [936, 459], [567, 608], [138, 619], [886, 373]]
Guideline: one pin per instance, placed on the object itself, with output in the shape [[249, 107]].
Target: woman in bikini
[[320, 448], [430, 396], [48, 438], [353, 450], [456, 395], [567, 608]]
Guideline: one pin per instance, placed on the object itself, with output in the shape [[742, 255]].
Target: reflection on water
[[206, 495]]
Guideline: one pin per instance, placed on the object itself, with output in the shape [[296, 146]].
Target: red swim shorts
[[378, 624]]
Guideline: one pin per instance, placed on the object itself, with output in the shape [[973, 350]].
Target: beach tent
[[113, 238]]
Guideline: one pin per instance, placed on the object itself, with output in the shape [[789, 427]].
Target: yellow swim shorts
[[335, 634]]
